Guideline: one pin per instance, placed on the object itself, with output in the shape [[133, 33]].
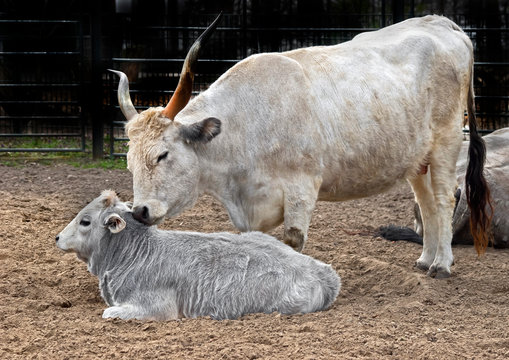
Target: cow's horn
[[124, 99], [184, 88]]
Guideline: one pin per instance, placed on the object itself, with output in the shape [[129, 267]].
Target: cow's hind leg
[[443, 181], [434, 193], [421, 185], [299, 202]]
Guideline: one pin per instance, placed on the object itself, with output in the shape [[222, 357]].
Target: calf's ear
[[201, 131], [115, 223]]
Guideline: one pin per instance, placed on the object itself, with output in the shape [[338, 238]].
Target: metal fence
[[41, 86], [55, 85]]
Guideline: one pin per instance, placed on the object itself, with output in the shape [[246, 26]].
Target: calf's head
[[162, 152], [83, 234]]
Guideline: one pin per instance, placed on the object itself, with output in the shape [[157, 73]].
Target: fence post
[[398, 11], [383, 14], [95, 95], [244, 29]]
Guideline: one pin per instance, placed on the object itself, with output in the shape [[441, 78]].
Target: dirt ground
[[50, 305]]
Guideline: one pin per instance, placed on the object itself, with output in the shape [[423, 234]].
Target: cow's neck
[[220, 178]]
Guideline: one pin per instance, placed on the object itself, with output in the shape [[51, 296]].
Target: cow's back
[[379, 98]]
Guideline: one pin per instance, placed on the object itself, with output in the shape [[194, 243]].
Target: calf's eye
[[84, 222], [162, 156]]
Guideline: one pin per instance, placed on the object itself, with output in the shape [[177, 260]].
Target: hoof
[[294, 238], [297, 246], [438, 272], [421, 265]]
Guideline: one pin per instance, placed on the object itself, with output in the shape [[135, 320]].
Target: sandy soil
[[50, 305]]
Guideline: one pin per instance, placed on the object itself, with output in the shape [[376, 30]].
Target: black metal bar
[[383, 13], [489, 63], [23, 21], [41, 150], [81, 90], [500, 97], [40, 135], [244, 28], [468, 29], [486, 114], [117, 59], [96, 84], [40, 85], [398, 10], [47, 117], [36, 102], [482, 131], [39, 53], [254, 29], [300, 29]]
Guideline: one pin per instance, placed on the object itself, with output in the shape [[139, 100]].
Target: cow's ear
[[115, 223], [202, 131]]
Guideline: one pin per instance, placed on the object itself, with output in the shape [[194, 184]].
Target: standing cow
[[279, 131], [496, 172], [147, 273]]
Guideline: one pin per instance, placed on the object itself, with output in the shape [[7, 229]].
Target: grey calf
[[147, 273]]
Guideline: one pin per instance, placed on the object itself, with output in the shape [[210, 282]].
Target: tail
[[477, 191], [397, 233]]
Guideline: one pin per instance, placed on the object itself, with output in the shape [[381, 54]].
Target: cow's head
[[162, 158], [162, 152], [84, 233]]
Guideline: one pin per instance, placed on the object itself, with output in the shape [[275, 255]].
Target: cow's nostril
[[57, 238], [141, 214], [144, 213]]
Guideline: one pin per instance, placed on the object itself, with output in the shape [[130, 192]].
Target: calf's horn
[[184, 88], [124, 99]]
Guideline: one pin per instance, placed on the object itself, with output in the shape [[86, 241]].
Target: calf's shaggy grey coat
[[147, 273]]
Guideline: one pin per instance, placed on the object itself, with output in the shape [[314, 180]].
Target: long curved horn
[[184, 88], [124, 99]]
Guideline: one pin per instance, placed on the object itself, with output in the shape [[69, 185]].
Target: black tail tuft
[[398, 233], [477, 190]]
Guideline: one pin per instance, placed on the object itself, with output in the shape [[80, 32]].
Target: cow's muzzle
[[141, 214], [150, 212]]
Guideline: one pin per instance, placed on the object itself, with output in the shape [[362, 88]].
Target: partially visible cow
[[147, 273], [279, 131], [496, 172]]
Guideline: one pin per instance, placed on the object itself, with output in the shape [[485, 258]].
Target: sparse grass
[[81, 159]]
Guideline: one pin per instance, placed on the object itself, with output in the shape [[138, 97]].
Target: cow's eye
[[84, 222], [162, 156]]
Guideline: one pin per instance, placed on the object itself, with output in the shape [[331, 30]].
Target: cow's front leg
[[299, 203]]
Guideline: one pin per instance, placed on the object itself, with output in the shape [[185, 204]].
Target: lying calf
[[147, 273]]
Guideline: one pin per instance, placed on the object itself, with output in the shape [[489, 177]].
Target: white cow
[[151, 274], [279, 131]]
